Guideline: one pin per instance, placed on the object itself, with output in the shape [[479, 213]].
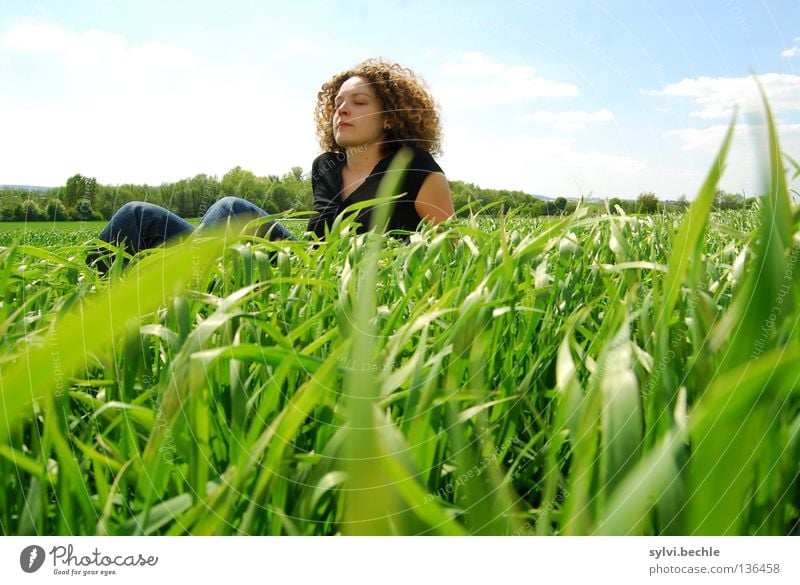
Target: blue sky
[[604, 98]]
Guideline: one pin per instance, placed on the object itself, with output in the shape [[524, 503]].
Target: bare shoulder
[[434, 202]]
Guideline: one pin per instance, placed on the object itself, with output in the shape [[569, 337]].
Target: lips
[[343, 124]]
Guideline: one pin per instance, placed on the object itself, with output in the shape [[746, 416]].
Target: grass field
[[48, 233], [591, 375], [59, 233]]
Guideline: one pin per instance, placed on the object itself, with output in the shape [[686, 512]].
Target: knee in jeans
[[221, 206], [231, 205], [234, 203], [129, 207], [126, 211], [227, 201], [133, 208]]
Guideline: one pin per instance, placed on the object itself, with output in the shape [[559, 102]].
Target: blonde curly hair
[[409, 108]]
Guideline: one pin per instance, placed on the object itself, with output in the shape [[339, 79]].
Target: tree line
[[83, 198]]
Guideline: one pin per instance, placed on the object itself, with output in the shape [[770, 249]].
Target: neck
[[362, 159]]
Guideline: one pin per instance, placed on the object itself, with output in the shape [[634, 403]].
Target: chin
[[344, 141], [350, 144]]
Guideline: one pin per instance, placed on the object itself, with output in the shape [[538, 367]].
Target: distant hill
[[30, 188]]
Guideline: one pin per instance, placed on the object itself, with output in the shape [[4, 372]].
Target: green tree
[[203, 191], [460, 200], [80, 188], [719, 196], [281, 195], [239, 182], [725, 200], [56, 211], [90, 190], [647, 202], [28, 210], [73, 190]]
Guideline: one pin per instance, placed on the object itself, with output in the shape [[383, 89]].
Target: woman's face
[[358, 115]]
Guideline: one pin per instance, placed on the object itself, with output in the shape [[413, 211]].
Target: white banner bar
[[399, 560]]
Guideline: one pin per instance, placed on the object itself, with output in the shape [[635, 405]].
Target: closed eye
[[338, 103]]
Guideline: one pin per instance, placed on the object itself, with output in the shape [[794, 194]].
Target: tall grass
[[593, 375]]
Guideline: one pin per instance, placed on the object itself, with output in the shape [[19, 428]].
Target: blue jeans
[[142, 225]]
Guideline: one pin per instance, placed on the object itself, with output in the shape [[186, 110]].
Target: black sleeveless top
[[326, 181]]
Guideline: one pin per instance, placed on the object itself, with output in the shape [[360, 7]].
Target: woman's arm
[[323, 205], [434, 202]]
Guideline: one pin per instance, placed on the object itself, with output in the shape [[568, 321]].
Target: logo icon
[[31, 558]]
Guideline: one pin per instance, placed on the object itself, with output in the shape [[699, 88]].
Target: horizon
[[40, 190], [596, 100]]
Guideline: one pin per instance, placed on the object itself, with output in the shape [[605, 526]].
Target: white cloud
[[473, 79], [710, 139], [789, 53], [717, 96], [493, 151], [564, 166], [569, 120], [40, 38], [714, 99], [748, 159], [96, 50], [144, 112], [545, 166]]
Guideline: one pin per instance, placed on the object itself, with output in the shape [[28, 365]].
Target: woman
[[364, 116]]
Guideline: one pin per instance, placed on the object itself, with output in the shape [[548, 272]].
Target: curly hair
[[409, 107]]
